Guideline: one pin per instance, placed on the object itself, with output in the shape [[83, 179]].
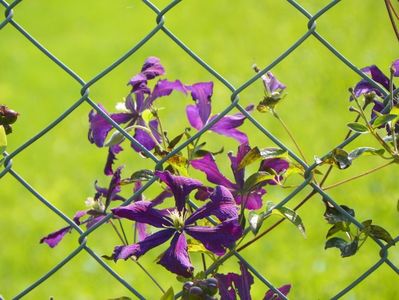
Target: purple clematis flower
[[175, 224], [97, 212], [365, 88], [200, 114], [139, 100], [253, 198], [232, 284], [272, 85]]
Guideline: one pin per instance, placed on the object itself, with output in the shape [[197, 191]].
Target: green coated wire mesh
[[162, 28]]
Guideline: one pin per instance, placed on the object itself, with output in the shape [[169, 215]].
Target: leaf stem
[[141, 267], [289, 134], [358, 176]]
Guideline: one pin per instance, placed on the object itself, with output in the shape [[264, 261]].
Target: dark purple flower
[[138, 103], [253, 198], [98, 205], [270, 295], [231, 284], [175, 224], [200, 114], [364, 87]]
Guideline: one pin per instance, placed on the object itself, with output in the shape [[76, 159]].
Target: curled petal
[[165, 88], [216, 239], [243, 149], [176, 258], [201, 93], [152, 68], [193, 117], [78, 216], [208, 165], [272, 83], [55, 237], [179, 185], [228, 126], [376, 74], [223, 206], [143, 212], [100, 127], [270, 295], [112, 152], [140, 248]]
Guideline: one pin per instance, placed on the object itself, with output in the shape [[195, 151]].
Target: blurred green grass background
[[230, 36]]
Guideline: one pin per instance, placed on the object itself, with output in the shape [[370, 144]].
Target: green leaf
[[347, 249], [169, 295], [337, 227], [382, 120], [378, 232], [333, 215], [291, 216], [121, 298], [3, 139], [341, 158], [365, 151], [179, 163], [252, 156], [357, 127], [255, 179], [116, 138], [142, 175], [338, 157], [255, 221], [255, 154]]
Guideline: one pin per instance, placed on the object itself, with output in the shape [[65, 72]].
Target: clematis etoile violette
[[175, 223], [373, 94], [199, 114], [97, 211], [251, 199], [137, 104]]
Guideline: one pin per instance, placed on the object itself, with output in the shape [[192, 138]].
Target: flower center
[[177, 219]]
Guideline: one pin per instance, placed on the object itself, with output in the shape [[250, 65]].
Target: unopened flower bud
[[7, 116]]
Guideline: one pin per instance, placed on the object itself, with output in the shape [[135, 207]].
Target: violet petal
[[202, 92], [270, 295], [112, 152], [253, 200], [140, 248], [143, 211], [179, 185], [226, 285], [244, 283], [55, 237], [100, 127], [208, 165], [216, 239], [223, 206], [395, 68], [176, 258], [272, 83], [193, 117], [243, 149]]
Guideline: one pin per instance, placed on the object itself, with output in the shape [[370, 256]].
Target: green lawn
[[230, 36]]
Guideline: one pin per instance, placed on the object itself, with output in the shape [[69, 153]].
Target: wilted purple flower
[[175, 223], [200, 114], [253, 198], [272, 85], [232, 284], [139, 100], [97, 212]]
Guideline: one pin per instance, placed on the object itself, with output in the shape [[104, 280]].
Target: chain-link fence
[[159, 28]]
